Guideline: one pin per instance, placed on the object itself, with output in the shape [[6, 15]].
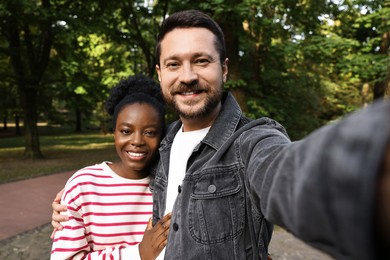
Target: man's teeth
[[136, 154], [188, 93]]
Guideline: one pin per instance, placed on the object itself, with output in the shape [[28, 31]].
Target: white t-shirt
[[182, 147]]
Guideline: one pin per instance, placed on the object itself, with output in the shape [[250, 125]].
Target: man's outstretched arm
[[332, 188], [383, 211]]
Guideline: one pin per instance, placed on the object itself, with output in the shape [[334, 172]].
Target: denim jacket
[[244, 172]]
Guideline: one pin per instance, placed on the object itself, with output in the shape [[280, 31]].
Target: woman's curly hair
[[135, 89]]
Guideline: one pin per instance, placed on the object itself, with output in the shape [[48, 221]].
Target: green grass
[[62, 150]]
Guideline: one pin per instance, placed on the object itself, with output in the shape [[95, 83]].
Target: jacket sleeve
[[322, 188]]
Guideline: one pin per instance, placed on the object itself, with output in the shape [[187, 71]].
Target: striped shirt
[[108, 215]]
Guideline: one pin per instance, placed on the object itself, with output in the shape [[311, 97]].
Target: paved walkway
[[26, 204]]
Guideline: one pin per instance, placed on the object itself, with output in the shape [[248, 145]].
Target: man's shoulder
[[262, 123]]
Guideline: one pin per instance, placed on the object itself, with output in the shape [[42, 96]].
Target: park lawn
[[62, 152]]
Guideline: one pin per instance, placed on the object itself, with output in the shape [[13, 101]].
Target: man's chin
[[190, 112]]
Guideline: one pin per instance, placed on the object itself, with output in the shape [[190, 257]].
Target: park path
[[26, 204]]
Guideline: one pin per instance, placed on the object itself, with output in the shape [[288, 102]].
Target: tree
[[302, 63], [27, 26]]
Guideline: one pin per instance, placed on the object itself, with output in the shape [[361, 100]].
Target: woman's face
[[137, 137]]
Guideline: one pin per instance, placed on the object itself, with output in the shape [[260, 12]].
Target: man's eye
[[172, 65], [202, 61]]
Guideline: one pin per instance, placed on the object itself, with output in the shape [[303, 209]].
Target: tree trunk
[[380, 88], [5, 127], [29, 52], [28, 100], [364, 93], [78, 118], [387, 91], [27, 95], [17, 126]]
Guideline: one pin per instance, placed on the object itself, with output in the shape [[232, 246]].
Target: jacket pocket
[[217, 206]]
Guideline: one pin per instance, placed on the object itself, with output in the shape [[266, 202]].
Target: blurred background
[[303, 62]]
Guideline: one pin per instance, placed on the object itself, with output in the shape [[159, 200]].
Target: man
[[224, 176]]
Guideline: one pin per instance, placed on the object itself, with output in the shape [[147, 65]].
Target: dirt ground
[[36, 244]]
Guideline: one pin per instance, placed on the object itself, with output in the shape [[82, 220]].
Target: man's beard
[[210, 102]]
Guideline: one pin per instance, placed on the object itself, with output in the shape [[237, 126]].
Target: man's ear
[[225, 69], [158, 70]]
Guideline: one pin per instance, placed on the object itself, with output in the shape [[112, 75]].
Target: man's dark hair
[[135, 89], [191, 19]]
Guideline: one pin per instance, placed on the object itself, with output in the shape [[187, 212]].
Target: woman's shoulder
[[91, 173]]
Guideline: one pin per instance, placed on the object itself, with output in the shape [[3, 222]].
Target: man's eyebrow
[[202, 54], [193, 56], [172, 57]]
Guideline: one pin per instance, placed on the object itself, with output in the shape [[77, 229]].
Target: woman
[[109, 204]]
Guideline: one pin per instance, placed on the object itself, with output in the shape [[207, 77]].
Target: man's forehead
[[198, 41], [177, 35]]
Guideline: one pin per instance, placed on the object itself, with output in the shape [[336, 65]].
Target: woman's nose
[[137, 139]]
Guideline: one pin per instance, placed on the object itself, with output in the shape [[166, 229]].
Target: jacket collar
[[225, 124]]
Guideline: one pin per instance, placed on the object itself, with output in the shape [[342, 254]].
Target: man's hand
[[56, 217], [155, 238]]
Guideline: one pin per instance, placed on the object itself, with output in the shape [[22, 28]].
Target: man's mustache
[[194, 86]]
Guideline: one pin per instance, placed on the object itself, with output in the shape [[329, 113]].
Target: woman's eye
[[150, 133], [125, 131]]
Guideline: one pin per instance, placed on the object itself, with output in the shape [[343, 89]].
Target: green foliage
[[301, 62], [306, 62]]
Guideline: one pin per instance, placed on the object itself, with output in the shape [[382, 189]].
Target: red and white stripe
[[108, 215]]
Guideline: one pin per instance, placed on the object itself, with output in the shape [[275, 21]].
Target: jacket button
[[175, 226], [179, 188], [212, 188]]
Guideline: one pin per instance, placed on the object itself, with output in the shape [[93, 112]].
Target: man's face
[[190, 72]]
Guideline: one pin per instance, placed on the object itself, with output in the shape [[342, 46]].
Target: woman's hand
[[155, 238]]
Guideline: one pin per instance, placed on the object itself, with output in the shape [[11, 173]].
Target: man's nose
[[188, 74]]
